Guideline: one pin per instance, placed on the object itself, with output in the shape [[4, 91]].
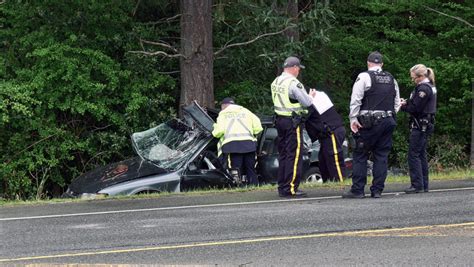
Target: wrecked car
[[180, 155]]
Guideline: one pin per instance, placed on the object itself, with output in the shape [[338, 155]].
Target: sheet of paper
[[322, 102]]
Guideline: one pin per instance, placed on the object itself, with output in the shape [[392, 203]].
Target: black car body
[[180, 155]]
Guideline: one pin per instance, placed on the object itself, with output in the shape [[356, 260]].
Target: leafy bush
[[446, 154], [250, 95], [73, 96], [407, 33]]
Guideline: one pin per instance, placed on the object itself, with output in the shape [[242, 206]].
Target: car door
[[267, 159], [268, 154], [205, 169]]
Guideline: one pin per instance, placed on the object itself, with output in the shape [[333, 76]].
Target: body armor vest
[[381, 95], [430, 107]]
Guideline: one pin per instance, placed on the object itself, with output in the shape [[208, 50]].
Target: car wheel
[[313, 175]]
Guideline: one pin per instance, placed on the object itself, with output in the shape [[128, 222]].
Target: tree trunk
[[472, 125], [292, 34], [197, 78], [290, 9]]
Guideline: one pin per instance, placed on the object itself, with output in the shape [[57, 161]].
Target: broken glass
[[170, 144]]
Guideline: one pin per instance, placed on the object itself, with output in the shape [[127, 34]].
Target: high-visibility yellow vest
[[236, 123], [280, 96], [219, 146]]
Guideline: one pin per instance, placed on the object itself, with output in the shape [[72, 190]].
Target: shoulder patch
[[358, 79], [421, 94], [299, 85]]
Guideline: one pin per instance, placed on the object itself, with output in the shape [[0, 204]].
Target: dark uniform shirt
[[419, 102]]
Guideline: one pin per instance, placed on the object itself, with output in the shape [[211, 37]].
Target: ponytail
[[421, 70], [430, 75]]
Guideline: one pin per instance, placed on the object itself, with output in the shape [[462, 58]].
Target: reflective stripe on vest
[[280, 96], [219, 146], [228, 133], [236, 129]]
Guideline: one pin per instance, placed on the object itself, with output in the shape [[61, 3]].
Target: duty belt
[[369, 118], [377, 113]]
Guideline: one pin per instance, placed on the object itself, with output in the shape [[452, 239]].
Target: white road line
[[359, 233], [203, 206]]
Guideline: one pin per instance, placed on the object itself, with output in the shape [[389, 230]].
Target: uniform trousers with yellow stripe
[[331, 157], [245, 162], [290, 153]]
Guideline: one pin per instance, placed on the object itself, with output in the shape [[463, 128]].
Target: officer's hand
[[403, 101], [312, 92], [355, 126]]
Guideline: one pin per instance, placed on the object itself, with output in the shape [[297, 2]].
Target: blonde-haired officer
[[237, 128], [422, 108]]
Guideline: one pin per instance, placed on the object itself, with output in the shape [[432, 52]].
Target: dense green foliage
[[71, 92], [409, 33], [70, 95]]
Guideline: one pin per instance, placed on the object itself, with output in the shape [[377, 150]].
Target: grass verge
[[436, 176]]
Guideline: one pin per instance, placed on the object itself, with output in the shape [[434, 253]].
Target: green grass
[[461, 174], [451, 175]]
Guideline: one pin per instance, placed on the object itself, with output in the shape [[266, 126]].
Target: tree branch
[[93, 157], [456, 18], [253, 40], [163, 20], [28, 147], [101, 128], [156, 53], [136, 8], [175, 53], [169, 72], [165, 45]]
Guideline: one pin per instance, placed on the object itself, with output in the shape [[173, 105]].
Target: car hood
[[114, 173]]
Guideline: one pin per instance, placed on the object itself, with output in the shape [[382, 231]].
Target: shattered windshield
[[170, 144]]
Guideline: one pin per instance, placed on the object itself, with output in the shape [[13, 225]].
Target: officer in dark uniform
[[375, 100], [290, 102], [326, 125], [422, 108]]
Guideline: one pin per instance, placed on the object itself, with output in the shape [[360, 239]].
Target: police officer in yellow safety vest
[[290, 102], [237, 129]]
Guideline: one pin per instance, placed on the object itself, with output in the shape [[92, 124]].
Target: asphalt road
[[253, 228]]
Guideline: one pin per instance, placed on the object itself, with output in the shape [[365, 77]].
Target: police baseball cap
[[375, 57], [291, 62], [227, 100]]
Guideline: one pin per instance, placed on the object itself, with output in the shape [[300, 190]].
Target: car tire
[[312, 175]]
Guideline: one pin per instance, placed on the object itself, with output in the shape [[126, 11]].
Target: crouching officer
[[237, 129], [290, 102], [326, 125], [374, 101], [422, 108]]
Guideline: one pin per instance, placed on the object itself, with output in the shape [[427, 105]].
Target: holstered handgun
[[366, 120], [327, 131], [420, 124], [296, 119], [359, 143], [424, 124]]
